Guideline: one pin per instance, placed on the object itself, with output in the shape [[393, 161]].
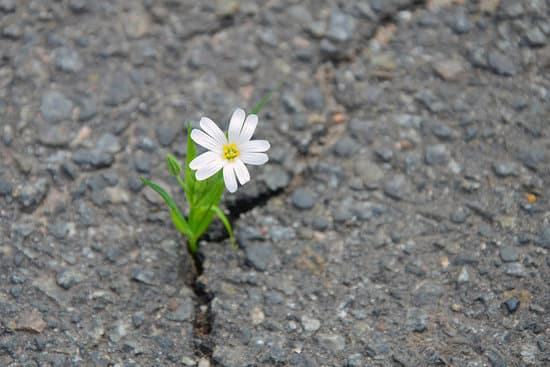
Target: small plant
[[206, 175]]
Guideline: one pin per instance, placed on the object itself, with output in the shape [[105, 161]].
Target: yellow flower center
[[230, 152]]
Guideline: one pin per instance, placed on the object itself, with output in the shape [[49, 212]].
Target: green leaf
[[200, 215], [174, 166], [182, 224], [225, 222], [264, 100]]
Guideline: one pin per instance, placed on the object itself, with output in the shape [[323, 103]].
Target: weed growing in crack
[[223, 165]]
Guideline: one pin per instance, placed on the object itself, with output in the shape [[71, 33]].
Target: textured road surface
[[403, 218]]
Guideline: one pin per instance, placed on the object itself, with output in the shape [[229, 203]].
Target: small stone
[[449, 69], [501, 64], [56, 106], [257, 316], [397, 187], [505, 169], [310, 324], [185, 311], [417, 320], [515, 269], [384, 154], [78, 6], [66, 279], [460, 215], [535, 37], [333, 342], [511, 8], [93, 158], [188, 361], [512, 304], [370, 173], [12, 31], [203, 362], [313, 99], [460, 23], [56, 136], [31, 321], [8, 6], [509, 254], [303, 199], [275, 177], [87, 105], [320, 223], [543, 239], [437, 154], [356, 360], [259, 255], [117, 195], [464, 276], [68, 60], [144, 276], [341, 26], [136, 24], [119, 89], [345, 147], [166, 134], [32, 194]]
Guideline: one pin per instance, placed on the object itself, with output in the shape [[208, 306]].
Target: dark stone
[[495, 358], [303, 199], [87, 105], [93, 159], [119, 90], [32, 194], [313, 99], [535, 37], [460, 23], [66, 279], [56, 106], [341, 26], [512, 304], [345, 147], [259, 255], [417, 320], [509, 254], [184, 312], [5, 188], [501, 64]]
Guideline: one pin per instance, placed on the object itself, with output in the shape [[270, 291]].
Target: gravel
[[402, 218]]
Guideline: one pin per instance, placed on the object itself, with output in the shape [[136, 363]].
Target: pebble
[[333, 342], [460, 215], [356, 360], [345, 147], [512, 304], [87, 106], [397, 187], [68, 60], [417, 320], [543, 239], [119, 89], [437, 154], [464, 276], [341, 26], [275, 177], [66, 279], [260, 255], [505, 169], [501, 63], [56, 106], [515, 269], [449, 70], [32, 194], [56, 136], [166, 134], [93, 158], [460, 23], [313, 99], [370, 173], [144, 276], [31, 321], [78, 6], [535, 37], [303, 199], [185, 311], [310, 324], [509, 254], [384, 154], [8, 6]]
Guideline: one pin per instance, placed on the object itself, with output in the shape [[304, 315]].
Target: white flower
[[230, 152]]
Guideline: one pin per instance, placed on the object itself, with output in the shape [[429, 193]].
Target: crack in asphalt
[[203, 323]]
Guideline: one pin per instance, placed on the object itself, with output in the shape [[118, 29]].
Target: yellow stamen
[[230, 152]]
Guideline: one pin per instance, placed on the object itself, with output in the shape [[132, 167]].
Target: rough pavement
[[403, 219]]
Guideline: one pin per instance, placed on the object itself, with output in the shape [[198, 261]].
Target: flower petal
[[255, 159], [213, 130], [205, 141], [242, 172], [229, 178], [208, 171], [206, 159], [248, 128], [236, 125], [254, 146]]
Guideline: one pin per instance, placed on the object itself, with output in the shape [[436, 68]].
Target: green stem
[[192, 246]]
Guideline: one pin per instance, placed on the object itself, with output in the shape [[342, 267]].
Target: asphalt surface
[[403, 218]]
